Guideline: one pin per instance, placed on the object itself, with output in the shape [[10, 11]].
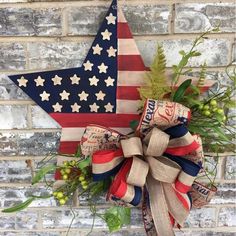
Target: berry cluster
[[61, 197]]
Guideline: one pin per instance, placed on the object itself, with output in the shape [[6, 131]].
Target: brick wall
[[37, 35]]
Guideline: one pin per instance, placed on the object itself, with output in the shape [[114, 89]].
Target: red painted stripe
[[183, 201], [85, 119], [123, 31], [68, 147], [130, 63], [105, 156], [127, 92]]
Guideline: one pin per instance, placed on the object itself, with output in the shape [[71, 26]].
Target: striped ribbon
[[155, 162]]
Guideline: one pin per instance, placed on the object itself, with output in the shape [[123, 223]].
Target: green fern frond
[[202, 76], [156, 81]]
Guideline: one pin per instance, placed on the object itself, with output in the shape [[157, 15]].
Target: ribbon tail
[[159, 207]]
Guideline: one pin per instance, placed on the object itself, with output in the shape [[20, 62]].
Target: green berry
[[81, 178], [67, 170], [54, 194], [207, 113], [60, 195], [65, 177], [206, 107], [62, 201], [220, 111], [84, 187], [224, 118], [213, 103], [200, 107], [215, 109], [84, 182]]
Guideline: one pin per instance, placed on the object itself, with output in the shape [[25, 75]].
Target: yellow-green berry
[[206, 107], [85, 186], [62, 201], [214, 109], [207, 113], [65, 177], [54, 194], [84, 182], [213, 103], [81, 178], [220, 111], [224, 118], [200, 107], [67, 170], [60, 195]]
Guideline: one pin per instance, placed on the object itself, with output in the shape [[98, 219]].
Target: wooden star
[[64, 95], [94, 81], [22, 81], [109, 107], [83, 96], [39, 81], [56, 80], [57, 107], [100, 95], [109, 81], [44, 96], [75, 107], [106, 35], [75, 79], [88, 65], [94, 107], [97, 50], [102, 68], [111, 19], [111, 52]]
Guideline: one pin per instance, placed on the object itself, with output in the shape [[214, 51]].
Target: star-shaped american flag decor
[[102, 91]]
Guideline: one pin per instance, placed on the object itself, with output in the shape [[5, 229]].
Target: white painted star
[[88, 65], [94, 81], [109, 107], [39, 81], [22, 81], [83, 96], [109, 81], [106, 35], [111, 19], [111, 52], [75, 79], [64, 95], [44, 96], [75, 107], [57, 107], [97, 50], [100, 95], [94, 107], [102, 68], [56, 80]]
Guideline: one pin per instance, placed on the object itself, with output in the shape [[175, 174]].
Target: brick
[[14, 171], [143, 19], [28, 143], [227, 216], [194, 17], [225, 194], [202, 218], [105, 233], [12, 56], [14, 195], [62, 218], [230, 168], [210, 164], [203, 233], [30, 233], [41, 119], [30, 22], [234, 54], [57, 55], [9, 91], [26, 220], [7, 221], [215, 55], [13, 117]]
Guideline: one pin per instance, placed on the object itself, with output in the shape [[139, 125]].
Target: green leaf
[[116, 217], [84, 163], [178, 95], [42, 172], [20, 206], [220, 133], [78, 151], [182, 52], [133, 124]]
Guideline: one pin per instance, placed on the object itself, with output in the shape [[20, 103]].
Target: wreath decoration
[[160, 165]]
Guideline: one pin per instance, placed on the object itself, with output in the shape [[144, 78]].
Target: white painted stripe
[[127, 47], [131, 78], [127, 106], [121, 17], [75, 133]]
